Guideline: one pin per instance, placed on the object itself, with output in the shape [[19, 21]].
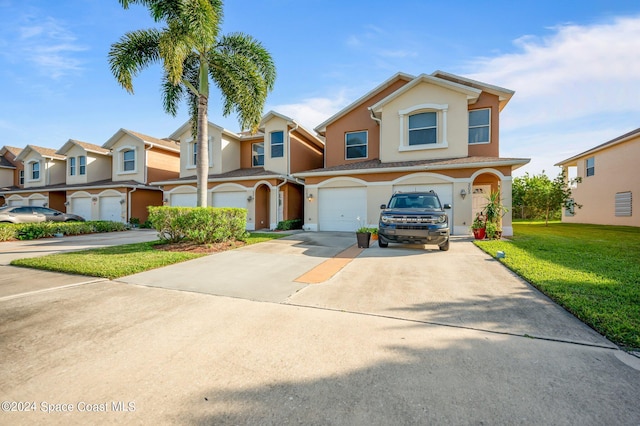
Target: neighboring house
[[609, 181], [437, 131], [248, 171], [11, 171], [43, 170]]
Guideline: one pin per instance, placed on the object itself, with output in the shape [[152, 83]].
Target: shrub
[[287, 225], [33, 231], [7, 233], [202, 225]]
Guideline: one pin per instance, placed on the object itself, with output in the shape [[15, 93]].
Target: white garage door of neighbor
[[16, 203], [230, 199], [444, 191], [340, 208], [110, 209], [183, 200], [39, 203], [81, 206]]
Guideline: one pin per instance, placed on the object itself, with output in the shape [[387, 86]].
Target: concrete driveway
[[398, 336]]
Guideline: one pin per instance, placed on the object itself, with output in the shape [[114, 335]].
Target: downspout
[[128, 218], [373, 116]]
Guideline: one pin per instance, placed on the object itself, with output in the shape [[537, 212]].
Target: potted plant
[[363, 235], [374, 233], [478, 227], [494, 210]]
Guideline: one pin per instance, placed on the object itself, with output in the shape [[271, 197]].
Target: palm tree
[[191, 51]]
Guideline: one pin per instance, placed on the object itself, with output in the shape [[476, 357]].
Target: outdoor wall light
[[45, 204], [463, 193], [122, 201], [309, 197], [250, 198], [66, 203], [94, 199]]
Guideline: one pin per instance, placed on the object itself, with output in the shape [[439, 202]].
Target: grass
[[592, 271], [119, 261]]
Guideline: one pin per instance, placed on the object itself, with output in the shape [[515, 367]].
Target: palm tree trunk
[[202, 160]]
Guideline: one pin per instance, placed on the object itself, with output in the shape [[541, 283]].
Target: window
[[82, 160], [129, 160], [194, 153], [356, 145], [591, 166], [257, 154], [72, 166], [21, 177], [423, 128], [277, 144], [35, 170], [479, 121], [624, 201]]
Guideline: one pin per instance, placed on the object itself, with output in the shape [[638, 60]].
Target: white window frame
[[366, 145], [586, 167], [72, 166], [441, 129], [31, 171], [120, 158], [271, 144], [488, 125], [82, 165], [263, 155], [192, 158], [21, 177]]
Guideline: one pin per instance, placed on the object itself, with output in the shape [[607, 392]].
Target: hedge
[[287, 225], [202, 225], [33, 231]]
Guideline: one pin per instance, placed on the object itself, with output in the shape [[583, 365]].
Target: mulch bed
[[200, 248]]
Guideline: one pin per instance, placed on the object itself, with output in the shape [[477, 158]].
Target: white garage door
[[444, 191], [230, 199], [16, 202], [81, 206], [110, 209], [183, 200], [37, 202], [340, 208]]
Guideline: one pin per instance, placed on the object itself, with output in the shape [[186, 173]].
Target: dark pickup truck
[[414, 217]]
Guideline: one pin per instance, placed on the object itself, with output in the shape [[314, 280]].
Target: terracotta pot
[[479, 233]]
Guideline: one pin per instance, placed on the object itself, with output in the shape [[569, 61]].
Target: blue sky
[[575, 66]]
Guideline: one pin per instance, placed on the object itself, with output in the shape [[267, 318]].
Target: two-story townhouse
[[136, 161], [609, 178], [43, 170], [11, 171], [431, 132], [250, 171]]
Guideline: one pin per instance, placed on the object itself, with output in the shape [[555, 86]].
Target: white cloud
[[575, 72], [45, 43]]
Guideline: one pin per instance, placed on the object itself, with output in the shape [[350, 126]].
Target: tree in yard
[[543, 195], [191, 50]]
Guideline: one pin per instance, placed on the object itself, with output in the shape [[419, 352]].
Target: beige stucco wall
[[224, 152], [278, 165], [616, 170], [52, 172], [124, 143], [98, 166], [230, 154], [456, 124]]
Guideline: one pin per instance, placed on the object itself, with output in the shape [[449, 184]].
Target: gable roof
[[89, 147], [322, 127], [504, 95], [6, 164], [12, 149], [620, 139], [44, 152], [471, 92], [166, 144], [297, 127], [187, 126]]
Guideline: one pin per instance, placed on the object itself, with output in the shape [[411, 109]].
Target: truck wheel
[[445, 246], [382, 243]]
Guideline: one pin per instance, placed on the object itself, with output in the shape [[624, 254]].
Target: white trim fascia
[[321, 128], [80, 188], [410, 168], [177, 182], [471, 93], [596, 149], [502, 93]]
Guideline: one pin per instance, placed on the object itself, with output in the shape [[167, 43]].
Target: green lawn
[[118, 261], [593, 271]]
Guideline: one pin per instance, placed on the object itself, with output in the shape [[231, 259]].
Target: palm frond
[[135, 51], [247, 46]]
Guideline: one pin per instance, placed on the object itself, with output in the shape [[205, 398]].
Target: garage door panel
[[37, 202], [236, 199], [444, 191], [81, 207], [183, 200], [340, 208], [110, 209]]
